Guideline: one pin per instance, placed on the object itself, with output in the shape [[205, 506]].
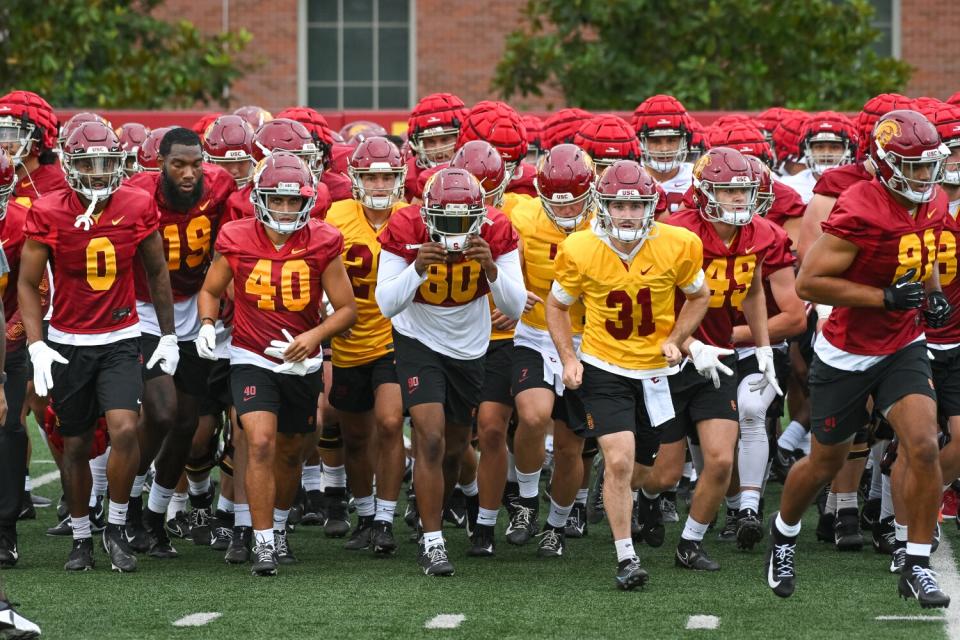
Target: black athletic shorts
[[426, 376], [612, 404], [193, 372], [695, 399], [528, 374], [838, 398], [97, 379], [293, 399], [497, 373], [218, 397], [353, 388], [946, 378]]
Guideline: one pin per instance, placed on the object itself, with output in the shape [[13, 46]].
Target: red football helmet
[[873, 109], [908, 154], [561, 126], [743, 136], [827, 139], [8, 180], [453, 208], [377, 156], [698, 141], [482, 160], [534, 127], [768, 120], [200, 126], [946, 118], [254, 115], [132, 136], [74, 123], [229, 142], [765, 193], [727, 120], [662, 116], [282, 134], [565, 177], [621, 187], [725, 187], [283, 174], [500, 125], [608, 138], [786, 137], [438, 115], [318, 127], [92, 160], [148, 155], [359, 130], [25, 119]]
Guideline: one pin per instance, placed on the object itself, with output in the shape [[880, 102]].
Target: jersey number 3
[[622, 328]]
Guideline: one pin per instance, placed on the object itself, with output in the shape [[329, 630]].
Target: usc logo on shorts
[[590, 425], [412, 383]]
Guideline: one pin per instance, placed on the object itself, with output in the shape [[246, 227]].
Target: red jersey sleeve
[[499, 234], [851, 218], [338, 184], [405, 229], [835, 181], [522, 181], [322, 204], [425, 174], [787, 204]]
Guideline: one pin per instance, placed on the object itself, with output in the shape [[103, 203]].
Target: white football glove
[[206, 341], [767, 371], [706, 358], [276, 350], [167, 354], [43, 358]]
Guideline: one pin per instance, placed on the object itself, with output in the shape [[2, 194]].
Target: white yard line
[[945, 565], [703, 622], [910, 618], [445, 621], [197, 619], [47, 478]]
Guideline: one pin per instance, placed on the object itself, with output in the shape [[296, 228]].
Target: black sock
[[918, 561]]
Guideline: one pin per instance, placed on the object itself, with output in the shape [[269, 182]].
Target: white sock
[[792, 436], [831, 503], [385, 510], [241, 515], [558, 515], [198, 487], [312, 477], [470, 489], [790, 531], [649, 496], [733, 502], [548, 443], [916, 549], [118, 513], [92, 502], [582, 495], [511, 467], [687, 469], [876, 475], [224, 505], [750, 499], [263, 536], [693, 530], [529, 484], [432, 538], [335, 477], [900, 531], [488, 517], [365, 506], [136, 490], [27, 483], [159, 498], [886, 498], [81, 527], [98, 473], [280, 519], [847, 500], [625, 549], [177, 504], [805, 444]]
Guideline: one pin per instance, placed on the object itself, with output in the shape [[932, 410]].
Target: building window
[[886, 19], [358, 54]]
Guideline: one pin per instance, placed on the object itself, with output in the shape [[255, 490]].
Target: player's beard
[[177, 199]]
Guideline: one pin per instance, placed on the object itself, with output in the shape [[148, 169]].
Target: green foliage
[[711, 54], [112, 54]]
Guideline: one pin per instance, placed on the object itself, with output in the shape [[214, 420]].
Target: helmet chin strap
[[85, 219]]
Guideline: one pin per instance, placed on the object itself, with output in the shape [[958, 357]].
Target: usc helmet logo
[[702, 164], [885, 132]]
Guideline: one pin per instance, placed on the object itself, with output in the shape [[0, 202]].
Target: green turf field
[[335, 593]]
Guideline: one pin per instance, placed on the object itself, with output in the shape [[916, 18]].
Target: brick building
[[383, 54]]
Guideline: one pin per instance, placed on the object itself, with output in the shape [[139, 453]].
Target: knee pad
[[858, 451], [331, 438]]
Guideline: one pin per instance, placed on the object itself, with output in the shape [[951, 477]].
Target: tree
[[711, 54], [113, 54]]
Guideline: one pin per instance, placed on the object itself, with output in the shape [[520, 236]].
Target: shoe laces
[[550, 538], [784, 554], [522, 516], [223, 532], [668, 506], [280, 540], [437, 553], [199, 518], [263, 552], [926, 578]]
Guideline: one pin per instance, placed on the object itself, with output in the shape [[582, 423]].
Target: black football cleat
[[898, 559], [361, 536], [825, 527], [221, 531], [577, 521], [201, 515], [552, 542], [313, 512], [137, 536], [630, 575], [846, 531], [456, 510], [884, 536], [668, 506], [690, 555], [481, 542], [729, 531], [382, 539], [870, 514], [9, 555], [62, 528], [749, 529], [434, 561], [179, 525], [281, 543], [122, 558], [921, 583], [13, 625], [780, 562], [523, 524], [264, 560], [337, 523], [81, 555], [650, 517], [238, 551], [160, 545]]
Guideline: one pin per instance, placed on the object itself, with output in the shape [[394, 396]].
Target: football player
[[735, 245], [437, 262], [28, 133], [665, 132], [92, 233], [364, 389], [827, 140], [13, 436], [281, 263], [874, 263], [132, 135], [627, 268], [228, 142], [338, 184], [191, 197]]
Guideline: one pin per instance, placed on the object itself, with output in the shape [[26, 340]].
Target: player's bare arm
[[690, 316], [33, 262], [755, 309], [218, 278], [561, 332], [819, 279], [339, 291], [818, 210], [158, 277]]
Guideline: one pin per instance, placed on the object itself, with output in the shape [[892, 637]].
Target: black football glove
[[904, 294], [938, 310]]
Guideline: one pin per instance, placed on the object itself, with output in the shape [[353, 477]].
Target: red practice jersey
[[11, 239], [947, 259], [729, 270], [93, 270], [835, 181], [522, 181], [187, 237], [338, 186], [43, 180], [276, 289], [891, 242], [239, 205]]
